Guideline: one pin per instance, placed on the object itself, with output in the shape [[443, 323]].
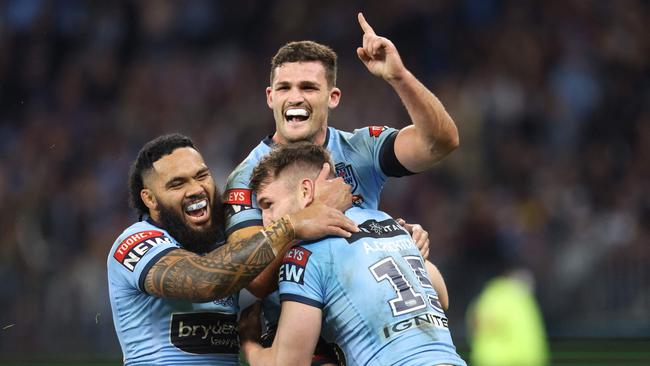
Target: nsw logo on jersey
[[375, 131], [377, 229], [293, 265], [134, 247], [346, 172], [237, 200]]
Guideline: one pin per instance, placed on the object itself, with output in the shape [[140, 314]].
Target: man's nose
[[295, 96], [194, 188]]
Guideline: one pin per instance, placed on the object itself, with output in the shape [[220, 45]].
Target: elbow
[[447, 143], [453, 142], [453, 138]]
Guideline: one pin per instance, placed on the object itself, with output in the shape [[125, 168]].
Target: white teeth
[[196, 206], [297, 112]]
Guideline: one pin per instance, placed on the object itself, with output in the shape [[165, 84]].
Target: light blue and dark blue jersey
[[364, 158], [378, 303], [154, 330]]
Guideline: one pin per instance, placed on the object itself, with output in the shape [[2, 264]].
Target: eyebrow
[[309, 83]]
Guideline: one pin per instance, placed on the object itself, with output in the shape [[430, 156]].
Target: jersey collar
[[268, 140]]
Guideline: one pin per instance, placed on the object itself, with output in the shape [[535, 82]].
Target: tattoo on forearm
[[220, 273], [280, 233]]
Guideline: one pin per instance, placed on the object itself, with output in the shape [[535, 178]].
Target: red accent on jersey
[[298, 256], [132, 240], [375, 131], [238, 197]]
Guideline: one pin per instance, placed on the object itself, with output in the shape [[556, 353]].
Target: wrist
[[398, 77], [280, 234]]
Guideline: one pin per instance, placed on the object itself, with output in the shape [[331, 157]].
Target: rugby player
[[369, 293], [302, 91], [173, 283]]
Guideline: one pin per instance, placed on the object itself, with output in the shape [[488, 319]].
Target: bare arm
[[224, 271], [295, 341], [267, 281], [438, 284], [433, 134]]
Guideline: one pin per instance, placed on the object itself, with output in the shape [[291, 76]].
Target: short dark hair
[[305, 155], [307, 51], [151, 152]]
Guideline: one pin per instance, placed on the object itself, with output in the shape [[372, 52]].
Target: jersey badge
[[346, 172], [294, 264], [375, 131], [134, 247]]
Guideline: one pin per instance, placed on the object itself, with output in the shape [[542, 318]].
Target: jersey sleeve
[[134, 253], [301, 276], [380, 140], [240, 204]]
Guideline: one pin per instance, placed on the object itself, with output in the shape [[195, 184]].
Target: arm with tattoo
[[227, 269], [222, 272]]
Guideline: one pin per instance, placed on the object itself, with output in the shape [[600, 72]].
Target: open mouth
[[197, 211], [294, 115]]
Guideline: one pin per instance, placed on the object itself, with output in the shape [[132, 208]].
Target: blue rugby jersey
[[358, 157], [160, 331], [377, 301], [364, 158]]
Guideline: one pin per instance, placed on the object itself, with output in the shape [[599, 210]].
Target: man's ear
[[149, 199], [307, 190], [335, 97], [269, 97]]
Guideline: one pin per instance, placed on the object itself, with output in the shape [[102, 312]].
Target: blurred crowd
[[552, 101]]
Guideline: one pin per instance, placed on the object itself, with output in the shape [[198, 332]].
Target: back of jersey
[[378, 303]]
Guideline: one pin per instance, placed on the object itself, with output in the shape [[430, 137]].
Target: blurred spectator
[[505, 323]]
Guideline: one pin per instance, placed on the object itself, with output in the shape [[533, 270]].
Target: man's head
[[284, 180], [170, 182], [303, 89]]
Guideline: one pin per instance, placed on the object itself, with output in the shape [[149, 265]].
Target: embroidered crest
[[345, 171]]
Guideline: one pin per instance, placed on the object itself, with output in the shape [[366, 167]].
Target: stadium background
[[551, 99]]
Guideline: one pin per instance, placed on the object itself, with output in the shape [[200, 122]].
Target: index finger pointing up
[[364, 24]]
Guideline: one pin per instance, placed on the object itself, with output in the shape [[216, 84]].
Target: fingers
[[324, 173], [367, 29], [363, 56]]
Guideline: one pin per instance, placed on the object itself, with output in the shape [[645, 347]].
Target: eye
[[175, 185]]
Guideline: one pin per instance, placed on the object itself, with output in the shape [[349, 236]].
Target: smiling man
[[173, 282], [302, 90], [370, 294]]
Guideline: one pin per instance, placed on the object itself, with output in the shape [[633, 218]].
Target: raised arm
[[433, 134], [227, 269]]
